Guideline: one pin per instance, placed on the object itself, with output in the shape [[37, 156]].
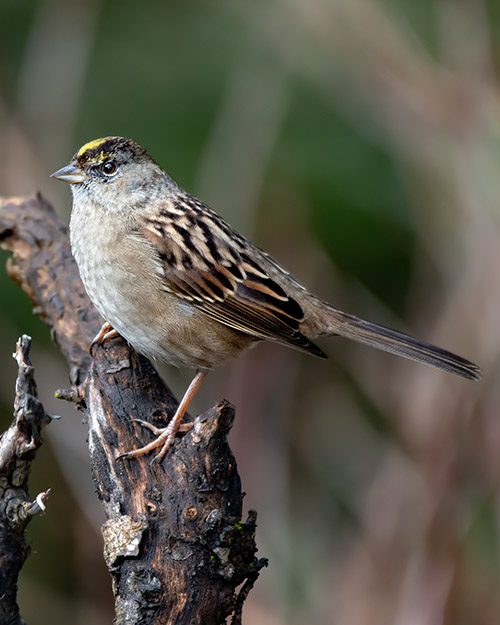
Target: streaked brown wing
[[198, 264]]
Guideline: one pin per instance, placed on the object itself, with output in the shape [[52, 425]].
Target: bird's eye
[[109, 168]]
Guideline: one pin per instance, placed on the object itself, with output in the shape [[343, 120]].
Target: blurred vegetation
[[358, 142]]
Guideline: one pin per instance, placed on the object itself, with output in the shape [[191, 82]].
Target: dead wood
[[174, 541]]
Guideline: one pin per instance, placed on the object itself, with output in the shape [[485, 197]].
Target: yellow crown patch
[[92, 145]]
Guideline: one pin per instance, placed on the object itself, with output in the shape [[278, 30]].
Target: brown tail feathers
[[398, 343]]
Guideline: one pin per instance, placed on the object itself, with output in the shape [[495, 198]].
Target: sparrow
[[176, 281]]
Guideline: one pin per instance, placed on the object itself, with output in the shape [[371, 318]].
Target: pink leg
[[106, 332], [166, 435]]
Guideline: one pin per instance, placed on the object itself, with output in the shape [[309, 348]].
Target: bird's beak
[[72, 174]]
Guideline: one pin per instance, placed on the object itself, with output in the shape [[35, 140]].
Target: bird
[[182, 286]]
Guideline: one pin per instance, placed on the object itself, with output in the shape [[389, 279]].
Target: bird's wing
[[203, 261]]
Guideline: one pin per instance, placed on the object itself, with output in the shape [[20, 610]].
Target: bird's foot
[[165, 436], [106, 332], [164, 439]]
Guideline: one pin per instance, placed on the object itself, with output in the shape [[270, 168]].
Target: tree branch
[[174, 541], [18, 447]]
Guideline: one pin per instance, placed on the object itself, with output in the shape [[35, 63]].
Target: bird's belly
[[158, 324], [129, 293]]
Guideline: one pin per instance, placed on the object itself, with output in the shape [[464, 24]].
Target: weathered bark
[[175, 543], [18, 447]]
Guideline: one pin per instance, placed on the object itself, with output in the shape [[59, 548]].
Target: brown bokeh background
[[359, 142]]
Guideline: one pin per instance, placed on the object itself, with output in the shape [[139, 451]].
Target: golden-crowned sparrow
[[180, 285]]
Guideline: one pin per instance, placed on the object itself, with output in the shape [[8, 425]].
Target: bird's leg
[[183, 427], [166, 436], [106, 332]]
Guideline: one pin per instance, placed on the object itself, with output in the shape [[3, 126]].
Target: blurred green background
[[359, 142]]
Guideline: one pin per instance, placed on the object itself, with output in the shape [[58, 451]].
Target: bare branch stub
[[18, 447], [175, 543]]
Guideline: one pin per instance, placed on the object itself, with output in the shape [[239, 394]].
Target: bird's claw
[[125, 454], [106, 332]]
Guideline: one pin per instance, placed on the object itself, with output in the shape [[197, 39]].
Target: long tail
[[398, 343]]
